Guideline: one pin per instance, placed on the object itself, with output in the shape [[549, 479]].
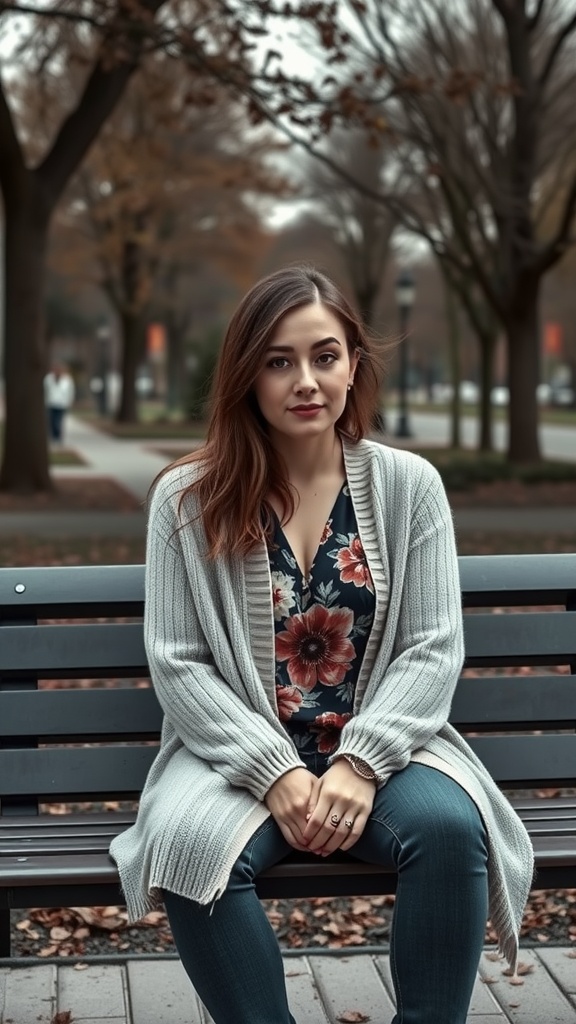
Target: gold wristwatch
[[362, 768]]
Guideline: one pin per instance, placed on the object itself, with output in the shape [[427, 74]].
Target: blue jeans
[[424, 826], [56, 422]]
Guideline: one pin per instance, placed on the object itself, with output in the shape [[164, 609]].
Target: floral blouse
[[322, 625]]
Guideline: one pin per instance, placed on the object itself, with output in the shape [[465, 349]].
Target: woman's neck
[[311, 458]]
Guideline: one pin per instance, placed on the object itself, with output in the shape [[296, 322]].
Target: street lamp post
[[103, 335], [405, 292]]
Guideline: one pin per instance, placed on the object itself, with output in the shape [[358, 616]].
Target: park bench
[[91, 748]]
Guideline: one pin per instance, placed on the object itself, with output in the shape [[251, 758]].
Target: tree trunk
[[487, 341], [453, 326], [523, 345], [132, 333], [176, 365], [25, 465]]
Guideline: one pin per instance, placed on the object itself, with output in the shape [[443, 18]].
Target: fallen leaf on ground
[[521, 968], [353, 1017], [80, 967], [64, 1017]]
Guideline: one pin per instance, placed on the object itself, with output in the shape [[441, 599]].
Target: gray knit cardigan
[[209, 633]]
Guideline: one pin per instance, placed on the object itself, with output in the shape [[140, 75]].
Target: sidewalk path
[[129, 463], [321, 986]]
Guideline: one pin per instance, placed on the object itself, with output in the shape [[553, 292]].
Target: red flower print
[[353, 567], [329, 726], [316, 646], [289, 700], [326, 533]]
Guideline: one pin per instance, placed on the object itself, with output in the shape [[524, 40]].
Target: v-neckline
[[307, 576]]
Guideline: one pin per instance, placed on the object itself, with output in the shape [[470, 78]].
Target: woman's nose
[[306, 381]]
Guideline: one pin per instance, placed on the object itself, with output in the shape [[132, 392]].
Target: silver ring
[[334, 820], [349, 823]]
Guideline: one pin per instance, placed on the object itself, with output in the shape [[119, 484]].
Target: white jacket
[[59, 392]]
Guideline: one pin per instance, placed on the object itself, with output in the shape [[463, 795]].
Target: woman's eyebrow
[[317, 344]]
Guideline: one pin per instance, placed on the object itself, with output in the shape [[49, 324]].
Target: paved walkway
[[134, 464], [322, 989]]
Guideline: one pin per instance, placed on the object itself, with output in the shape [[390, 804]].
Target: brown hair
[[240, 467]]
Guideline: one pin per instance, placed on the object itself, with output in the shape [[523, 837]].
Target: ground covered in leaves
[[325, 922], [86, 494]]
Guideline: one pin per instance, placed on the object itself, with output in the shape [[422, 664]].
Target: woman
[[303, 628]]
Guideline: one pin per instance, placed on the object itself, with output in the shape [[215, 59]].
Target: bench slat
[[479, 704], [321, 876], [70, 651], [79, 771], [513, 761], [525, 762], [509, 580], [74, 713], [117, 649], [60, 590], [514, 702], [537, 638], [80, 591]]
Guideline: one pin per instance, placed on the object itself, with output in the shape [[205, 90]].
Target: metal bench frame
[[93, 745]]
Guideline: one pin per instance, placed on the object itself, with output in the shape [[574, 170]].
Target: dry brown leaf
[[361, 907], [101, 917], [516, 980], [109, 911], [154, 917], [48, 951], [60, 934], [297, 917], [521, 968], [353, 1017], [64, 1017], [23, 926], [80, 967]]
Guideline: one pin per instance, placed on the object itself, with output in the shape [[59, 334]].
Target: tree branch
[[102, 91], [534, 20], [556, 247], [555, 49]]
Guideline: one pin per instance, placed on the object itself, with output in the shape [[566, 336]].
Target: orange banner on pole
[[553, 338], [156, 341]]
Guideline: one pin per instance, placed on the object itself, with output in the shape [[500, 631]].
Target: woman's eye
[[327, 357], [278, 363]]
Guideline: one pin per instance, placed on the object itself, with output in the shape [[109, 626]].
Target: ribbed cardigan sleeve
[[206, 714], [411, 702]]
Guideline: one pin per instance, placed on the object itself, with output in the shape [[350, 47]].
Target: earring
[[350, 385]]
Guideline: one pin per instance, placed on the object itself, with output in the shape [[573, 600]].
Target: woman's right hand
[[290, 800]]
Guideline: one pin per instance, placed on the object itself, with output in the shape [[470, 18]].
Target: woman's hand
[[290, 800], [346, 796]]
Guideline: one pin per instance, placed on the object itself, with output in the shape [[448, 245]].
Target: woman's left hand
[[344, 795]]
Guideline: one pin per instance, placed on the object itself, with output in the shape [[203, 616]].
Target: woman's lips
[[306, 411]]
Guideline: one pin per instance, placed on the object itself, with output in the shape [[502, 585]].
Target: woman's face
[[303, 384]]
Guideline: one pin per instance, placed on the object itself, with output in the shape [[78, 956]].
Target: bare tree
[[479, 116]]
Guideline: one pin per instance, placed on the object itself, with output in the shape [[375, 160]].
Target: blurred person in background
[[59, 394]]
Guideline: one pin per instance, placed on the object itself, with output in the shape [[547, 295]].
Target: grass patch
[[66, 457], [463, 469], [553, 417], [57, 456]]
